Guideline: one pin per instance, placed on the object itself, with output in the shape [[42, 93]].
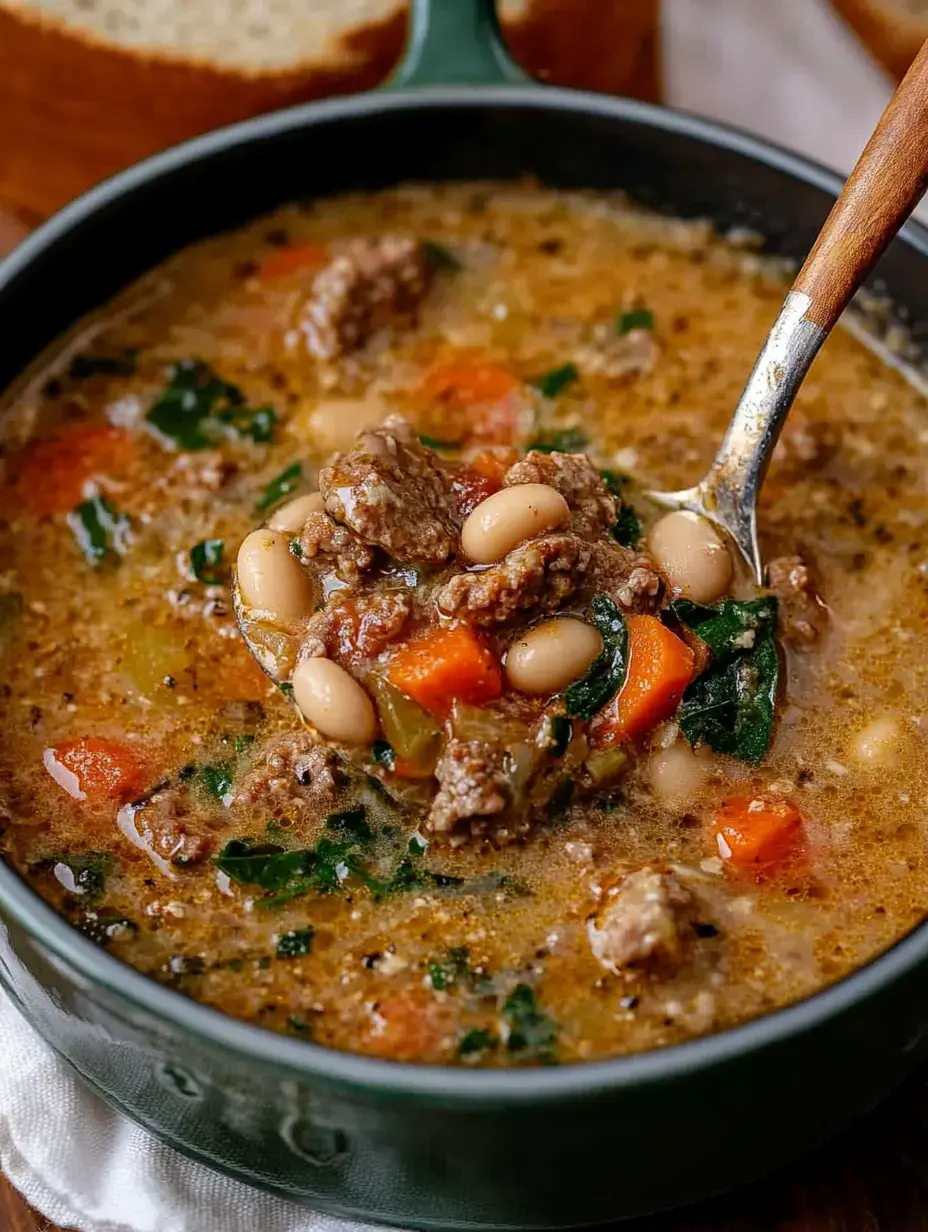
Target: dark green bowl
[[424, 1146]]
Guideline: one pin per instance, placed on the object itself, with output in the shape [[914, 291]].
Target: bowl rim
[[303, 1059]]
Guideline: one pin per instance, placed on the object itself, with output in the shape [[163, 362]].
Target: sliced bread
[[89, 86]]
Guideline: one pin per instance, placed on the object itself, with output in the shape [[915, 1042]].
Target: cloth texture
[[788, 70]]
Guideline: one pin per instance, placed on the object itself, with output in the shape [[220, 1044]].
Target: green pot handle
[[454, 42]]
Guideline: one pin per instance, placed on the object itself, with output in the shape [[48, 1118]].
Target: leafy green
[[88, 870], [101, 531], [730, 706], [550, 384], [102, 926], [555, 734], [295, 944], [286, 688], [567, 440], [206, 561], [282, 485], [433, 442], [476, 1040], [530, 1030], [636, 318], [296, 549], [449, 968], [627, 529], [615, 481], [383, 754], [217, 777], [351, 823], [197, 409], [439, 257], [606, 674], [122, 363]]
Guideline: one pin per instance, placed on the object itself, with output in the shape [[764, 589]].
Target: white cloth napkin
[[787, 69]]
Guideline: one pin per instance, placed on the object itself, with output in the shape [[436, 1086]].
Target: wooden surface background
[[874, 1179]]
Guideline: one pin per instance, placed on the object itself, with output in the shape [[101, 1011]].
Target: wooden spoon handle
[[886, 184]]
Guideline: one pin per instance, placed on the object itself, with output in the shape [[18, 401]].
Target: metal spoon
[[886, 184]]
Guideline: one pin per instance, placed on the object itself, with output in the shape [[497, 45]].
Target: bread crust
[[893, 38], [111, 105]]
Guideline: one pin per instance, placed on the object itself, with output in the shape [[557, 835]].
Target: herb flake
[[101, 531], [529, 1029], [550, 384], [627, 529], [297, 943], [567, 440], [206, 561], [197, 409], [635, 318], [440, 257], [280, 486]]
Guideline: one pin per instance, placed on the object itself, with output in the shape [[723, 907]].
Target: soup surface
[[565, 784]]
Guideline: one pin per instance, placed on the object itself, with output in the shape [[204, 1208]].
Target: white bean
[[271, 579], [550, 656], [334, 702], [877, 744], [290, 517], [693, 556], [509, 517], [333, 424], [677, 773]]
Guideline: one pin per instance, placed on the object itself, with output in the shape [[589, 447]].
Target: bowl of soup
[[398, 809]]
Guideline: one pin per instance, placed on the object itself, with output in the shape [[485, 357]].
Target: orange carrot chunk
[[447, 666], [660, 666], [49, 476], [297, 259], [753, 830], [95, 769], [483, 395]]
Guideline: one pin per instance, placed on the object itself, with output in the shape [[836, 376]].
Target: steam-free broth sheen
[[685, 815]]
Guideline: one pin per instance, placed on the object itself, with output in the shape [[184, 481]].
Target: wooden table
[[874, 1179]]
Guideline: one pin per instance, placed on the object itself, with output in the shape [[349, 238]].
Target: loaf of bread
[[89, 86], [892, 29]]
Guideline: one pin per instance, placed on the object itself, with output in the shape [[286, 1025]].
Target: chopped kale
[[476, 1040], [351, 824], [434, 442], [730, 706], [449, 968], [101, 531], [550, 384], [529, 1029], [299, 1026], [120, 363], [286, 688], [627, 529], [284, 483], [83, 872], [439, 257], [417, 845], [615, 481], [295, 944], [636, 318], [606, 673], [383, 754], [206, 561], [217, 778], [568, 440], [296, 549], [197, 409]]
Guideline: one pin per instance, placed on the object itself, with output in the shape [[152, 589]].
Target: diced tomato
[[50, 475], [660, 666], [96, 769], [297, 259], [757, 830], [447, 666], [493, 464]]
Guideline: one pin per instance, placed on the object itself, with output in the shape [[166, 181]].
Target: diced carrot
[[484, 396], [493, 464], [447, 666], [406, 768], [406, 1027], [660, 666], [95, 769], [297, 259], [755, 830], [237, 677], [50, 474]]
